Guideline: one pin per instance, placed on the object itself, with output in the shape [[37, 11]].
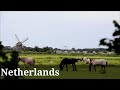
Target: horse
[[67, 61], [100, 62], [85, 59], [96, 62], [27, 61]]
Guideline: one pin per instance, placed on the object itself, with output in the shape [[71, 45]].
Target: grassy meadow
[[42, 63]]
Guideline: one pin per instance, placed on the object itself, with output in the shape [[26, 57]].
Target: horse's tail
[[90, 66]]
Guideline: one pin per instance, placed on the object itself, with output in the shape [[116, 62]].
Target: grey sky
[[78, 29]]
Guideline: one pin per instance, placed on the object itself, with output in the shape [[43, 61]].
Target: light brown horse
[[27, 61]]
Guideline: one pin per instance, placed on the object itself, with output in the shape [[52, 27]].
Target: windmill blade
[[25, 40], [17, 38]]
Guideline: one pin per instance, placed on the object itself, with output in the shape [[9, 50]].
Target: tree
[[2, 54], [36, 48], [47, 49], [113, 45], [10, 64], [73, 49]]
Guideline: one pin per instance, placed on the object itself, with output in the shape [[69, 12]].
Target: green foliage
[[10, 64], [1, 46], [113, 45], [47, 49], [37, 49]]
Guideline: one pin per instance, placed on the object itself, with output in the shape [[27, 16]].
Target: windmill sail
[[19, 45], [25, 40], [17, 38]]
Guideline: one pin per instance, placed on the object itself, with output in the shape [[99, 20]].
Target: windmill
[[19, 44]]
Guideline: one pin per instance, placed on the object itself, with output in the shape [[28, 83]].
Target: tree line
[[48, 49]]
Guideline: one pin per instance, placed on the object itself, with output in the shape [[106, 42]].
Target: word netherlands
[[34, 72]]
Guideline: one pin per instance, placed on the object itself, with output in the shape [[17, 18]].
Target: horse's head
[[75, 59], [84, 59], [21, 59], [61, 67], [78, 59], [81, 59], [89, 61]]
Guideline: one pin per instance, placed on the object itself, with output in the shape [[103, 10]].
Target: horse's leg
[[90, 66], [95, 67], [30, 66], [63, 66], [101, 68], [27, 65], [66, 67], [104, 69], [33, 65], [73, 66]]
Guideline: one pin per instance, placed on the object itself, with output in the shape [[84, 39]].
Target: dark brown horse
[[67, 61]]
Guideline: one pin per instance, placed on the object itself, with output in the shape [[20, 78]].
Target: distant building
[[110, 52], [94, 52], [85, 52]]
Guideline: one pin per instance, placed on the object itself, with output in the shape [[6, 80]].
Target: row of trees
[[33, 49], [53, 50]]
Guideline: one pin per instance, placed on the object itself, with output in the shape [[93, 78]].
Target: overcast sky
[[57, 29]]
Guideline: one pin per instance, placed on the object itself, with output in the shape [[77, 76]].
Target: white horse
[[27, 61], [99, 62], [95, 62], [86, 60]]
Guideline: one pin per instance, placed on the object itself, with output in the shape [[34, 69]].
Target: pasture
[[43, 62]]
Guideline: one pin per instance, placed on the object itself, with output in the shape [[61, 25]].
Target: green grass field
[[42, 63]]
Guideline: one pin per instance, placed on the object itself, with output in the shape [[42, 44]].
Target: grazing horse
[[99, 62], [66, 61], [27, 61], [86, 60], [96, 62]]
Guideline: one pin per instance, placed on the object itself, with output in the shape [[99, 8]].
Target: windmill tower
[[19, 44]]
